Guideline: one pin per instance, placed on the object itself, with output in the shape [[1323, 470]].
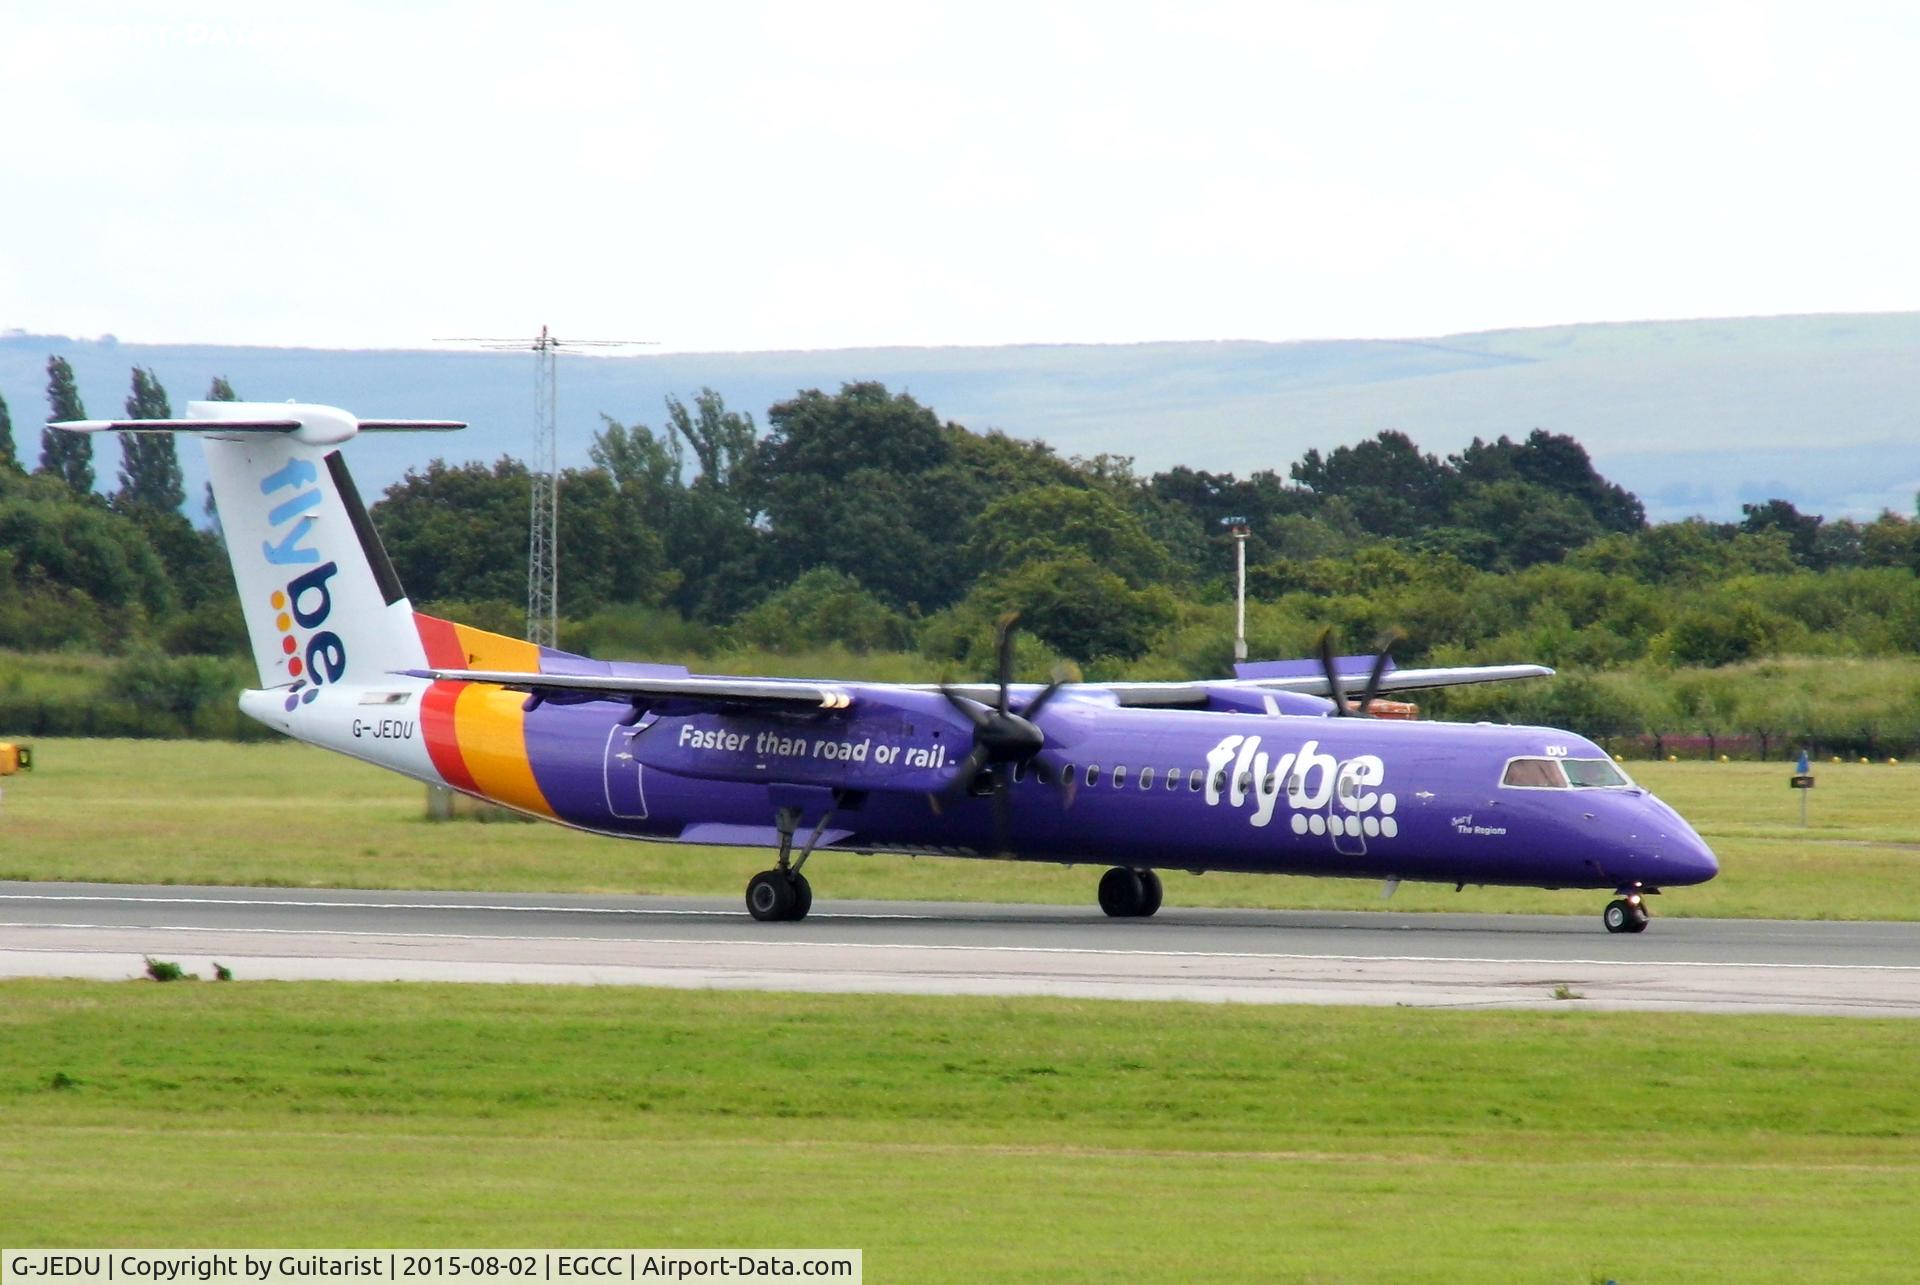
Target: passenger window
[[1535, 774], [1146, 778], [1093, 774], [1195, 780], [1120, 776], [1019, 772], [1173, 778]]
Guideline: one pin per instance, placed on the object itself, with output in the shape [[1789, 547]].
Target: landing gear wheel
[[802, 897], [1123, 893], [1150, 888], [1623, 916], [774, 895]]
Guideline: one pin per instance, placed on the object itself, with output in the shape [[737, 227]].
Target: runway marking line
[[419, 905], [1031, 950]]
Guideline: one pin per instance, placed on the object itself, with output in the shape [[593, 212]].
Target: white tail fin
[[321, 601]]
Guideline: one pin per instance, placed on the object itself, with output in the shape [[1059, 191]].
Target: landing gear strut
[[1129, 894], [1626, 915], [783, 893]]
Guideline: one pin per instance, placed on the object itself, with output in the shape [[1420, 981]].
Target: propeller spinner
[[1002, 736]]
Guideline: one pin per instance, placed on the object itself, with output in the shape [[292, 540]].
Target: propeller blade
[[1062, 675], [975, 712], [1334, 689], [969, 768], [1372, 689], [1038, 703], [1002, 813], [1006, 630]]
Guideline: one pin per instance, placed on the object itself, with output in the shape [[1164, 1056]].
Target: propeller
[[1002, 736], [1368, 694]]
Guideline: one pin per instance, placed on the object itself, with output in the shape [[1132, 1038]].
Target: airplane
[[1276, 770]]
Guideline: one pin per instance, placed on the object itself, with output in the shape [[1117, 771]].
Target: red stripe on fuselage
[[442, 645]]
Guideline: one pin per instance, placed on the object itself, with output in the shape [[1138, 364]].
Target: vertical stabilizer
[[321, 601]]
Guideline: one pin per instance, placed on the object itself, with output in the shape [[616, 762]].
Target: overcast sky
[[724, 176]]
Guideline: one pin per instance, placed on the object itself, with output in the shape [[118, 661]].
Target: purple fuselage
[[1161, 789]]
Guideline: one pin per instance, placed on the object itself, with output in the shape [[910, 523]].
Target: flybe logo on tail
[[315, 656], [295, 513]]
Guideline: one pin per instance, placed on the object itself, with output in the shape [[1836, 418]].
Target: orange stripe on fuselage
[[477, 734], [491, 724]]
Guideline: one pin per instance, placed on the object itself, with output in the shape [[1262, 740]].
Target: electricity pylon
[[543, 514]]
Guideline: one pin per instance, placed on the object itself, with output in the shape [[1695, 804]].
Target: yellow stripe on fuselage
[[491, 726]]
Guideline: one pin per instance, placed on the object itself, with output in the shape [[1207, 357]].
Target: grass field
[[286, 814], [963, 1138]]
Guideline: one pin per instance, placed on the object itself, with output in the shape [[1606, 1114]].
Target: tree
[[822, 608], [857, 482], [1528, 522], [1055, 522], [1394, 489], [67, 456], [458, 533], [1558, 463], [149, 464], [1079, 608], [724, 442], [1802, 530], [9, 458], [221, 391]]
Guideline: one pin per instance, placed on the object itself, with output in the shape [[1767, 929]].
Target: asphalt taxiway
[[1377, 957]]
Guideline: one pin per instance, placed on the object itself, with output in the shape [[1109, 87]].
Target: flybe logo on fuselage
[[315, 656], [1324, 794]]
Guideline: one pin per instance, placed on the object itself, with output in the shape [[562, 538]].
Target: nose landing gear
[[1626, 915]]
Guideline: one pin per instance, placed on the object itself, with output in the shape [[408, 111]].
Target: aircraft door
[[626, 788], [1342, 824]]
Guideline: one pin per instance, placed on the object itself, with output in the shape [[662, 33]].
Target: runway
[[1250, 956]]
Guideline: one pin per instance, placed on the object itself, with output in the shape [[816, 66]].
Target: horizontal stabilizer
[[312, 425], [177, 425]]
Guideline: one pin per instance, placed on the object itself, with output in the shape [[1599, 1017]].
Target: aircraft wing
[[1398, 680], [737, 693], [800, 696]]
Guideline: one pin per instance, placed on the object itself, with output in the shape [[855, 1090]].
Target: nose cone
[[1682, 854], [1693, 857]]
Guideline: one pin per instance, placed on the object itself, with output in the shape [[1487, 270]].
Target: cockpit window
[[1535, 774], [1561, 774], [1595, 774]]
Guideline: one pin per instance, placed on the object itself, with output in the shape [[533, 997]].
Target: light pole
[[1237, 528]]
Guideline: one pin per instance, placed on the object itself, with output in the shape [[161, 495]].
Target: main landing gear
[[1129, 894], [1626, 914], [783, 893]]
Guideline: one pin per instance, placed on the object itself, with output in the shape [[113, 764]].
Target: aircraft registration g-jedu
[[1265, 772]]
